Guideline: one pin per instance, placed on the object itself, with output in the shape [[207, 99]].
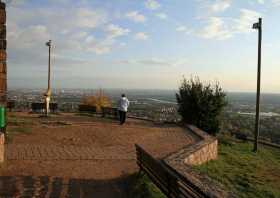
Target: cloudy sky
[[142, 43]]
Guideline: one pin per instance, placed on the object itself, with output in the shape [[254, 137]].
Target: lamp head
[[49, 43], [256, 26]]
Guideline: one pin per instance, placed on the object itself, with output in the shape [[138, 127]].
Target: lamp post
[[48, 93], [258, 26]]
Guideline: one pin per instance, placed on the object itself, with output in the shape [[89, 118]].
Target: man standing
[[123, 105]]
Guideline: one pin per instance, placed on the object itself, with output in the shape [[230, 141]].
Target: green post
[[2, 118]]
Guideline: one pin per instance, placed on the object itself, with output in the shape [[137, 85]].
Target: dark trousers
[[122, 117]]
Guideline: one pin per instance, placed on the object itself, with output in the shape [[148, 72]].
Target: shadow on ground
[[45, 186]]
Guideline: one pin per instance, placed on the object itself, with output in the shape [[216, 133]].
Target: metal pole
[[49, 70], [48, 94], [257, 121]]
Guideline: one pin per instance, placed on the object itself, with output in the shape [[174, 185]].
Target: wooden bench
[[240, 136], [110, 111], [39, 107], [11, 104], [167, 180], [87, 108], [54, 107]]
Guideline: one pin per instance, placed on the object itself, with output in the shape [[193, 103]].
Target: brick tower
[[3, 55], [3, 73]]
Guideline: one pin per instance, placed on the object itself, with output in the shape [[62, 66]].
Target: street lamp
[[48, 93], [258, 26]]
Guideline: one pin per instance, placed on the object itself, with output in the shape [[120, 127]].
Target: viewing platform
[[71, 147]]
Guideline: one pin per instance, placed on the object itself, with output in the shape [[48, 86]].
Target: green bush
[[201, 104]]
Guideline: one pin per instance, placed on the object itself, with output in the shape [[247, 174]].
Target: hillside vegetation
[[244, 172]]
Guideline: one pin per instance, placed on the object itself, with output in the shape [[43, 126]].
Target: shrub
[[99, 100], [201, 104]]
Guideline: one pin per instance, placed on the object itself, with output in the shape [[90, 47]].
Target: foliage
[[99, 100], [245, 173], [142, 187], [201, 104], [236, 123]]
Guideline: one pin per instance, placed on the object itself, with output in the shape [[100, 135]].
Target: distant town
[[161, 105]]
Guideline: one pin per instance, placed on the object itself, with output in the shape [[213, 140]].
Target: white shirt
[[123, 104]]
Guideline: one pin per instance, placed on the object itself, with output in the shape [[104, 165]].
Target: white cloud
[[216, 29], [141, 36], [152, 4], [71, 29], [156, 62], [276, 2], [90, 39], [14, 2], [223, 28], [183, 29], [220, 5], [89, 18], [29, 37], [101, 49], [78, 35], [260, 1], [244, 23], [136, 17], [114, 31], [161, 15]]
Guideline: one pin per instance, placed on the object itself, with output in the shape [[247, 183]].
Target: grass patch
[[243, 172], [142, 187], [14, 121], [12, 131]]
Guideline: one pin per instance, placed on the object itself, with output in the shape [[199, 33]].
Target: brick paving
[[85, 153], [43, 152], [44, 186]]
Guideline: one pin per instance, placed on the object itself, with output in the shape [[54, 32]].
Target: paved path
[[44, 152], [82, 158], [56, 187]]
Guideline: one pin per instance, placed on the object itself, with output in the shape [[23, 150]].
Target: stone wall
[[204, 150], [204, 154]]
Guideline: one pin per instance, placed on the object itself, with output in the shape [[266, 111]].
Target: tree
[[201, 104]]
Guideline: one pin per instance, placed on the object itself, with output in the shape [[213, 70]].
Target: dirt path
[[76, 156]]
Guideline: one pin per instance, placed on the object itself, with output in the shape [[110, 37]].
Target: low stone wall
[[204, 150], [2, 147], [204, 154]]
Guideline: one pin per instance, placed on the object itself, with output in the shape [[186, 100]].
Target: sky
[[146, 44]]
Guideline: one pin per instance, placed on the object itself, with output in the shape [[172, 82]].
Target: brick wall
[[3, 70], [3, 55]]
